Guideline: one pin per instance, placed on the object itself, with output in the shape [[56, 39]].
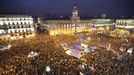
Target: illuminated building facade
[[75, 24], [125, 23], [108, 23], [16, 26], [68, 26]]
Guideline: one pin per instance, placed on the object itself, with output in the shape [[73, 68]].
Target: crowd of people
[[102, 61]]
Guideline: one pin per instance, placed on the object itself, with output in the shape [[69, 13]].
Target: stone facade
[[16, 26]]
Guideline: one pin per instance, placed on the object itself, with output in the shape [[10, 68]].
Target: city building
[[125, 24], [106, 23], [75, 24], [66, 26], [16, 26]]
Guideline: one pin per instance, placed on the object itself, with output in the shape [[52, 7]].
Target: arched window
[[22, 30], [18, 26], [29, 30], [21, 23], [4, 23], [19, 31], [12, 35], [10, 27], [22, 27], [13, 23], [14, 27], [15, 31], [11, 31], [26, 30], [29, 26], [26, 33], [8, 23], [17, 23], [25, 26]]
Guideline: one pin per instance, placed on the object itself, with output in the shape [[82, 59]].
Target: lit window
[[11, 32], [13, 23], [15, 31], [18, 26], [10, 27], [29, 26], [19, 31], [14, 27], [21, 23], [17, 23], [22, 27]]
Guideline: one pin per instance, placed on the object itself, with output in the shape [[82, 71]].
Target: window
[[17, 23], [26, 30], [12, 35], [15, 31], [21, 23], [29, 26], [22, 30], [19, 31], [14, 27], [13, 23], [22, 27], [26, 33], [8, 23], [30, 30], [11, 31], [4, 23], [18, 26], [10, 27], [25, 26]]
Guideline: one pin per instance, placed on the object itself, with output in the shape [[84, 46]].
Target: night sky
[[64, 7]]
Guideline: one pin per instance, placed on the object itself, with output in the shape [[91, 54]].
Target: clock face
[[75, 13]]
